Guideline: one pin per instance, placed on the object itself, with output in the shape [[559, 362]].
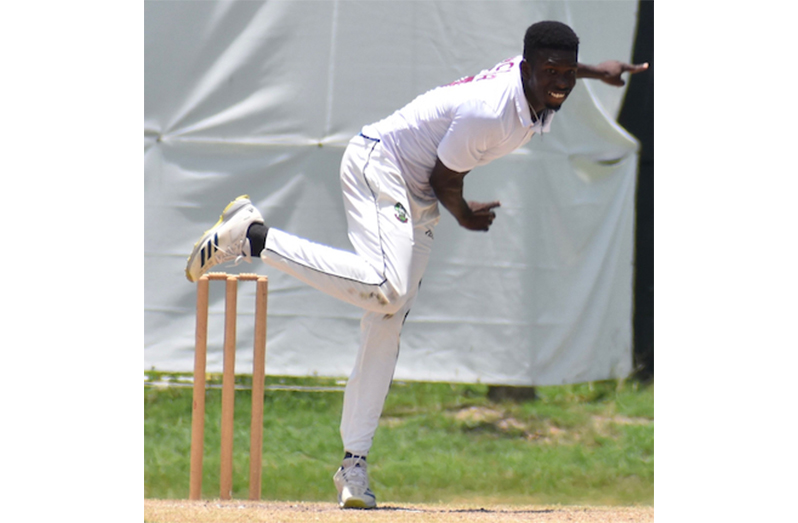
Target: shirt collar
[[543, 124], [521, 105]]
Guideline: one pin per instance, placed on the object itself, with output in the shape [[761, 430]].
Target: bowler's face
[[549, 78]]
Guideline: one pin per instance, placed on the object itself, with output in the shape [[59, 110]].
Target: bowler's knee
[[393, 306], [386, 300]]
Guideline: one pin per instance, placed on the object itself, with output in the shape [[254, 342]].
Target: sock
[[350, 455], [257, 238]]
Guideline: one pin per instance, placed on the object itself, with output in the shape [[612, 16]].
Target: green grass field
[[583, 444]]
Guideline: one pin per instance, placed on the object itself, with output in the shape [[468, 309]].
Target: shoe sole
[[204, 237], [356, 503]]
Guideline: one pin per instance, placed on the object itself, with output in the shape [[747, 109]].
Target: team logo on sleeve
[[401, 213]]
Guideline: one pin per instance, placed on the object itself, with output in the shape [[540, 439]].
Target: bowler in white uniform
[[394, 175]]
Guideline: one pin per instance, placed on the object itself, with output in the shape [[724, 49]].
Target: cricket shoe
[[226, 241], [352, 482]]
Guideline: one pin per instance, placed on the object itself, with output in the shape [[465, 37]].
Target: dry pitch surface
[[214, 511]]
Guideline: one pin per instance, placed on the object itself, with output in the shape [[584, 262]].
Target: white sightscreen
[[260, 98]]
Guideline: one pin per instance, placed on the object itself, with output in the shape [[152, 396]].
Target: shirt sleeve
[[474, 130]]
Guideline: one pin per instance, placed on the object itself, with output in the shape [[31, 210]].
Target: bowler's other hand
[[481, 216], [610, 71]]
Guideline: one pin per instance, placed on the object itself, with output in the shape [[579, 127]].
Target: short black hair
[[550, 35]]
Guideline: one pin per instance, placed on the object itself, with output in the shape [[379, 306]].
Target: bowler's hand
[[481, 216], [610, 71]]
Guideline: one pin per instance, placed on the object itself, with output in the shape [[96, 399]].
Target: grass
[[577, 444]]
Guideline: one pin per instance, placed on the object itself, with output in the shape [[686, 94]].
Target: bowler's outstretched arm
[[610, 71]]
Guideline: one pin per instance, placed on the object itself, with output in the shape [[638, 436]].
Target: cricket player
[[394, 176]]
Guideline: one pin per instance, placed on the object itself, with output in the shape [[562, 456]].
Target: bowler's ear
[[524, 67]]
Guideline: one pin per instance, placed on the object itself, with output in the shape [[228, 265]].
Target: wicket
[[228, 385]]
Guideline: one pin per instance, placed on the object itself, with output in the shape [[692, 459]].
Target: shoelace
[[242, 257], [355, 475], [223, 255]]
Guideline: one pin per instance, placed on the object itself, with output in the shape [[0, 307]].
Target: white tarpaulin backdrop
[[260, 98]]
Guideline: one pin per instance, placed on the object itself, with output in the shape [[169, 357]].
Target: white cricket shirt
[[468, 123]]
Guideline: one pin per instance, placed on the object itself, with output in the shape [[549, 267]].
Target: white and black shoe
[[226, 241]]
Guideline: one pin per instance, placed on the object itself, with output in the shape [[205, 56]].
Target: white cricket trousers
[[391, 232]]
